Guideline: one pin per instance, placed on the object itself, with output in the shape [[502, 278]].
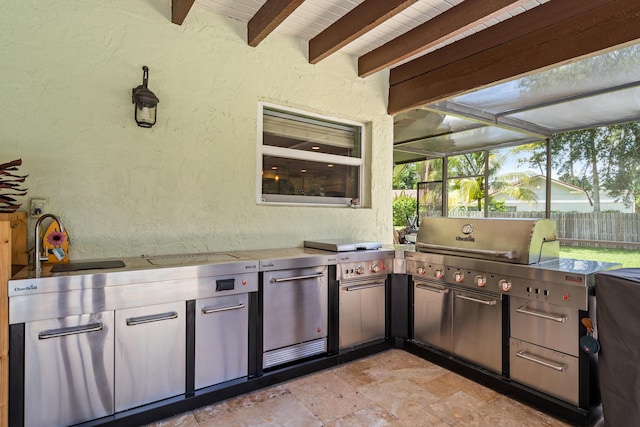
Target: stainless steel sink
[[87, 265]]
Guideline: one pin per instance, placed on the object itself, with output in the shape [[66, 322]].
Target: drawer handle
[[547, 363], [287, 279], [82, 329], [481, 301], [431, 289], [559, 319], [361, 287], [132, 321], [209, 310]]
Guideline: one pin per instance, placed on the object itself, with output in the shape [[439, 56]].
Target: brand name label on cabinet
[[26, 288]]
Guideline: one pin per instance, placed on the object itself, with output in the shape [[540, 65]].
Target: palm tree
[[466, 179], [467, 186]]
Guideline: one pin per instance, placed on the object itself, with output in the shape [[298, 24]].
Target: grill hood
[[517, 241]]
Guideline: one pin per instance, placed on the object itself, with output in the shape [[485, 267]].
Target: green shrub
[[403, 205]]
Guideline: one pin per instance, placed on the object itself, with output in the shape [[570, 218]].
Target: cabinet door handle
[[524, 310], [209, 310], [547, 363], [431, 289], [287, 279], [72, 330], [360, 287], [481, 301], [132, 321]]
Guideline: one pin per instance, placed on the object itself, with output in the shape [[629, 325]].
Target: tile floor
[[393, 388]]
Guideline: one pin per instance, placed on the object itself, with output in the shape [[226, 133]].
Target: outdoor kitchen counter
[[166, 267], [152, 277], [170, 267]]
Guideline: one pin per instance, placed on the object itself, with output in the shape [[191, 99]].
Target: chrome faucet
[[37, 256]]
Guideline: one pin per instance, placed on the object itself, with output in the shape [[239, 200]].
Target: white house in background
[[564, 197]]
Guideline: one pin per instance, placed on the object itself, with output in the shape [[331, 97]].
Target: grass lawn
[[629, 258]]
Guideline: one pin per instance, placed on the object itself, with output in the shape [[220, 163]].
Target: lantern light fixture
[[145, 102]]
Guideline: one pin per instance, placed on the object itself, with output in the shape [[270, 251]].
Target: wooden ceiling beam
[[179, 10], [444, 26], [364, 17], [267, 19], [535, 19], [611, 25]]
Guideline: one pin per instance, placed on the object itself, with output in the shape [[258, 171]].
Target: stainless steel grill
[[513, 264], [518, 257], [517, 241]]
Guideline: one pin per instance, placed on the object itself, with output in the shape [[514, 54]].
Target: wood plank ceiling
[[436, 49]]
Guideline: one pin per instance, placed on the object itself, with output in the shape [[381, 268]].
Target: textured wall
[[189, 183]]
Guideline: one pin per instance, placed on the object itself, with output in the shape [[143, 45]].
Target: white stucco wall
[[188, 184]]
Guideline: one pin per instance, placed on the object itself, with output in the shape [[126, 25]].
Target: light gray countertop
[[157, 279], [154, 268]]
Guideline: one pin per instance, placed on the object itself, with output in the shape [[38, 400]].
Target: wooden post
[[5, 274], [13, 255]]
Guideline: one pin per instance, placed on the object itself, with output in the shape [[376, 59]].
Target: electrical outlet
[[37, 207]]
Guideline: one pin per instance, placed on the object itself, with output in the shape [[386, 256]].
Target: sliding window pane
[[283, 176]]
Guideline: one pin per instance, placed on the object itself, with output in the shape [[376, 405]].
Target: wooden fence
[[604, 230]]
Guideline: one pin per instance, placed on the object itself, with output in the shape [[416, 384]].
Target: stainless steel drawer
[[150, 354], [545, 370], [222, 339], [547, 325], [68, 370]]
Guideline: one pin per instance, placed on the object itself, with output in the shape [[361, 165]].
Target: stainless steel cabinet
[[222, 339], [362, 312], [463, 323], [548, 325], [432, 315], [68, 370], [477, 328], [550, 371], [149, 354], [544, 351], [295, 314]]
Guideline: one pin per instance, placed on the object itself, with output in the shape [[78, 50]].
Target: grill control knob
[[480, 280], [458, 276], [375, 268], [439, 273], [504, 285], [359, 269], [421, 270]]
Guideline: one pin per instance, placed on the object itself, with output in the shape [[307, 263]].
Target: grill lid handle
[[485, 252]]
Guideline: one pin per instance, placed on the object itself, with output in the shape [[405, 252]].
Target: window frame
[[299, 200]]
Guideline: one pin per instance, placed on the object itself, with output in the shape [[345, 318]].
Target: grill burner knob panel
[[439, 274], [458, 276], [504, 285], [421, 270], [480, 280]]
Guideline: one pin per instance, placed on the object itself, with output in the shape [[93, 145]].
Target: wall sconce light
[[145, 102]]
